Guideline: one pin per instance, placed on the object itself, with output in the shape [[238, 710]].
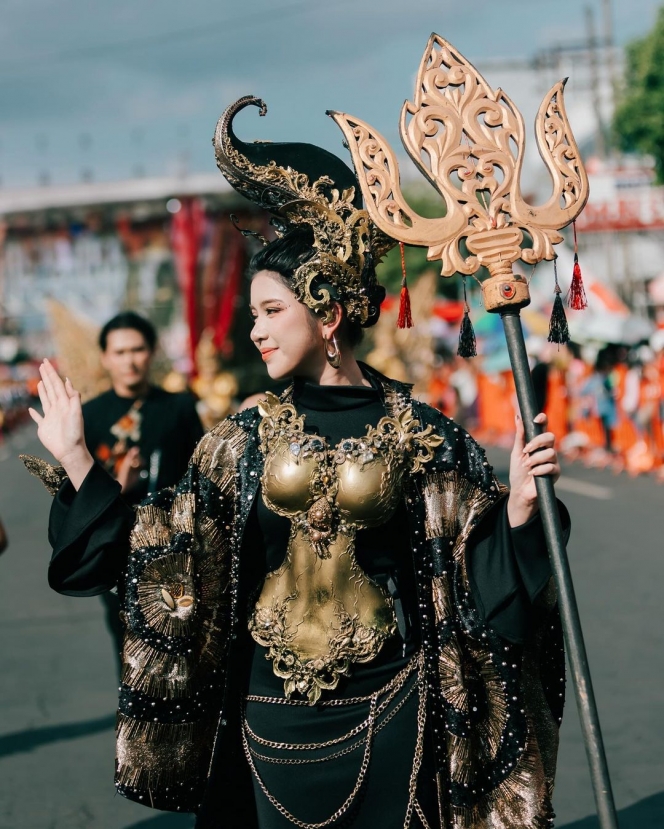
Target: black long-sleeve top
[[507, 567]]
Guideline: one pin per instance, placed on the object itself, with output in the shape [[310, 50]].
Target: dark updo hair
[[131, 320], [285, 255]]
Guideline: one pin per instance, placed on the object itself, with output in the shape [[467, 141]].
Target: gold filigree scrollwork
[[277, 417], [51, 476], [319, 613], [342, 232], [268, 184], [468, 141], [415, 443], [352, 643]]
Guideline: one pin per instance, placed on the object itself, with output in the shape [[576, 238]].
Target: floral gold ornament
[[319, 613], [468, 140]]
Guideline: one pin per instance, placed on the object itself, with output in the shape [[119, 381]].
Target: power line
[[163, 39]]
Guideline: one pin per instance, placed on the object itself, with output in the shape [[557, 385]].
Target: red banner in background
[[187, 232], [233, 263]]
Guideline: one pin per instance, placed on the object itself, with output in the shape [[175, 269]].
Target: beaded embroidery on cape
[[494, 706]]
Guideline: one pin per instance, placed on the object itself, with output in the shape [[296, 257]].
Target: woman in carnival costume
[[338, 617]]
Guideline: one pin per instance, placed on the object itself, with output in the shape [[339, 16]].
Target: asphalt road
[[58, 684]]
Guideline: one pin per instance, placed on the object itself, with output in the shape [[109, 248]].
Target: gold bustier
[[319, 612]]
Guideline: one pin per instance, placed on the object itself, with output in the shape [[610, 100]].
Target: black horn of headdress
[[301, 184]]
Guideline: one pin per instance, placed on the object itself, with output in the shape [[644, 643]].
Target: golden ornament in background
[[216, 389], [77, 350], [407, 354]]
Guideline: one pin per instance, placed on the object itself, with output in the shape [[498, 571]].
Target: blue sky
[[114, 85]]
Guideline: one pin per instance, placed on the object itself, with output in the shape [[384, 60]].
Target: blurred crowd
[[606, 407], [18, 389]]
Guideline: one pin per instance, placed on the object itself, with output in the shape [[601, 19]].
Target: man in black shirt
[[143, 435]]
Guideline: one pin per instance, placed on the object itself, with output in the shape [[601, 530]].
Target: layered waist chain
[[379, 703]]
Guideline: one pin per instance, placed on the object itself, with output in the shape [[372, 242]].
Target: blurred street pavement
[[58, 684], [617, 562]]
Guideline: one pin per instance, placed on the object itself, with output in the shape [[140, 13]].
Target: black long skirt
[[363, 782]]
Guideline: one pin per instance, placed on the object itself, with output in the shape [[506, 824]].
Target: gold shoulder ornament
[[51, 476]]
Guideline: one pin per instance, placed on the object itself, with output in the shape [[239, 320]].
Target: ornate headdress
[[304, 185]]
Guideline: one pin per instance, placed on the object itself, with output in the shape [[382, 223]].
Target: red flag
[[233, 264], [187, 230]]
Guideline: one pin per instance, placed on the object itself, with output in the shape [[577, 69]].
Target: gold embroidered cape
[[493, 707]]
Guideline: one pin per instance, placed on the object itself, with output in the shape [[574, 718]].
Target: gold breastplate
[[319, 612]]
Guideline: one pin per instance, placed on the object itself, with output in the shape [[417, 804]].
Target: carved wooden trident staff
[[468, 141]]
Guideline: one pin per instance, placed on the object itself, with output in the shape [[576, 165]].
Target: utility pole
[[610, 51], [85, 145], [595, 82]]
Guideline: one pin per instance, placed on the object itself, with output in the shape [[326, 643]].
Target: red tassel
[[576, 296], [405, 319]]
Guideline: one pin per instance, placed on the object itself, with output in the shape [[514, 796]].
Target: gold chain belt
[[301, 761], [388, 693]]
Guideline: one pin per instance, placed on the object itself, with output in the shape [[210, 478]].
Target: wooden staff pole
[[576, 649], [479, 179]]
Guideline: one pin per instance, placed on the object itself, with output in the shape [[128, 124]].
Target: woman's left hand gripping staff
[[529, 460], [60, 429]]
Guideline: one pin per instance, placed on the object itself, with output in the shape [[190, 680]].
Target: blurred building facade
[[164, 247]]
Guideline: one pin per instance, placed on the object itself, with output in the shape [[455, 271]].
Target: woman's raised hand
[[60, 429]]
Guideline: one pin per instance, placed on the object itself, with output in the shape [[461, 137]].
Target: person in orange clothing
[[641, 393], [495, 406], [442, 394], [601, 390], [649, 405], [550, 382]]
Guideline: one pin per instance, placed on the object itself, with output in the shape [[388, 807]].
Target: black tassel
[[558, 328], [467, 343]]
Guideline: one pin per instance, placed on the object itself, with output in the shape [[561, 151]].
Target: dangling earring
[[333, 357]]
